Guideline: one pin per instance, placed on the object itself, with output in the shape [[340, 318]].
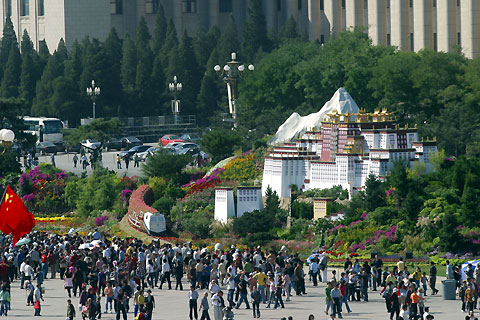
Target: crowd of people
[[120, 276]]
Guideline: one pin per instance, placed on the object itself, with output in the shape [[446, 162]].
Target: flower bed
[[204, 183]]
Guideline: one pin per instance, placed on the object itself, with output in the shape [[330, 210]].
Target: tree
[[9, 119], [203, 45], [129, 66], [189, 74], [100, 130], [220, 144], [160, 89], [228, 42], [27, 83], [255, 35], [112, 92], [374, 193], [171, 42], [289, 30], [209, 95], [11, 75], [165, 165], [160, 30], [469, 201], [9, 39], [26, 46]]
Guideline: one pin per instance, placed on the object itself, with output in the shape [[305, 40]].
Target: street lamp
[[232, 73], [6, 136], [175, 88], [93, 92]]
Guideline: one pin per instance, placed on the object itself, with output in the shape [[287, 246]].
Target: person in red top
[[52, 262], [4, 271], [414, 307], [344, 298]]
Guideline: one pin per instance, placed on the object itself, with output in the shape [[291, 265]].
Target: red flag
[[14, 216]]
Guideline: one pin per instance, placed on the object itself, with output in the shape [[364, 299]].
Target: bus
[[46, 130]]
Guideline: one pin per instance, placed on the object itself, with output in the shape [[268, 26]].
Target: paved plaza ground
[[172, 304]]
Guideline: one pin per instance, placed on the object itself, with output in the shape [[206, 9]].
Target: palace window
[[225, 5], [300, 4], [322, 5], [116, 6], [25, 8], [41, 7], [189, 6], [279, 5], [9, 8]]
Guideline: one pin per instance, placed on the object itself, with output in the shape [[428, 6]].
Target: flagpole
[[4, 193]]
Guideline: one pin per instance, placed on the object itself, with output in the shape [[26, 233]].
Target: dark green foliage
[[374, 193], [189, 75], [11, 75], [165, 165], [160, 31], [220, 144], [100, 130], [163, 205], [289, 30], [228, 42], [8, 163], [255, 36], [302, 210], [9, 39], [9, 119]]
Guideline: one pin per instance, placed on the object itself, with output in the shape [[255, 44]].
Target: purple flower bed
[[99, 221]]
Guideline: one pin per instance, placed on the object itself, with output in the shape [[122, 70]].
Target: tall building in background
[[411, 25]]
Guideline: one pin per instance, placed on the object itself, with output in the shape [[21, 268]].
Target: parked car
[[130, 142], [191, 137], [150, 151], [172, 145], [168, 138], [113, 144], [45, 147], [185, 146], [90, 144], [132, 151]]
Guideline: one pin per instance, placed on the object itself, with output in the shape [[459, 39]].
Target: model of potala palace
[[344, 150]]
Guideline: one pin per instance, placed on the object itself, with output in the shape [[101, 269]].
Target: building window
[[411, 41], [322, 39], [225, 5], [156, 5], [41, 7], [116, 6], [434, 3], [299, 4], [151, 6], [189, 6], [435, 42], [388, 3], [279, 5], [322, 5], [458, 3], [459, 38], [25, 8], [365, 4], [388, 39], [343, 4], [411, 3]]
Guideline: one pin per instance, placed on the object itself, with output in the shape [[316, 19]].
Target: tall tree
[[129, 64], [289, 30], [160, 31], [74, 65], [28, 80], [9, 39], [204, 43], [171, 41], [255, 35], [189, 74], [159, 87], [113, 86], [228, 42], [26, 46], [209, 95], [11, 75]]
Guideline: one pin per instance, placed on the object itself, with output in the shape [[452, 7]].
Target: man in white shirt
[[314, 271], [217, 303], [449, 271]]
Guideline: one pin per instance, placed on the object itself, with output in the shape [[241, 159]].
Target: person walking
[[136, 160], [70, 310], [84, 162], [120, 304], [394, 304], [314, 271], [204, 307], [218, 305], [75, 160], [415, 298], [38, 296], [119, 161], [242, 287], [127, 160], [53, 159], [192, 303], [149, 304], [256, 298], [328, 298], [4, 300], [166, 274], [278, 293], [336, 294]]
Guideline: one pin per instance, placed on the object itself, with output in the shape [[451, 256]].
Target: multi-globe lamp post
[[175, 88], [232, 73], [93, 92], [6, 137]]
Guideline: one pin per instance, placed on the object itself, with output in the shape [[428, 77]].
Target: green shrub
[[163, 205]]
